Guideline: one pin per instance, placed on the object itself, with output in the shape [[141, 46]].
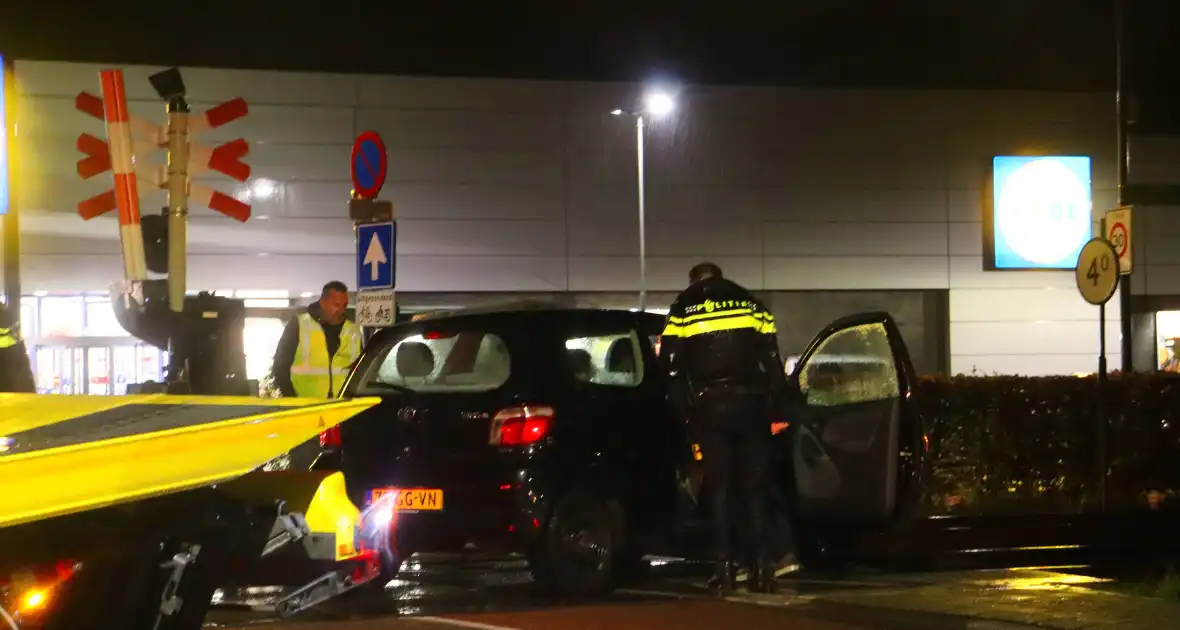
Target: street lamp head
[[616, 112], [658, 104]]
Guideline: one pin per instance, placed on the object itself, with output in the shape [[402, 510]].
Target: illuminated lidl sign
[[3, 136], [1041, 212]]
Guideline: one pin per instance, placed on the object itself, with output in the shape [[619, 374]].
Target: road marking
[[665, 594], [459, 623], [761, 599]]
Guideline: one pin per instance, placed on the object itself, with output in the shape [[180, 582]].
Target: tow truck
[[127, 512]]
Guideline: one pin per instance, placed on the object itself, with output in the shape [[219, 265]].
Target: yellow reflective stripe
[[718, 325], [717, 314], [7, 341], [671, 330]]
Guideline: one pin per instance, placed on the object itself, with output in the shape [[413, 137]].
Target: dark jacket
[[719, 336], [16, 371], [289, 344]]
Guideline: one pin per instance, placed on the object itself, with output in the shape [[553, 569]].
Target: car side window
[[614, 360], [854, 365]]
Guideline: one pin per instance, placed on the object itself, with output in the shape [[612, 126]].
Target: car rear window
[[466, 361]]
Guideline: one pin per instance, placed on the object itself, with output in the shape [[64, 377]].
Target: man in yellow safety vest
[[317, 347]]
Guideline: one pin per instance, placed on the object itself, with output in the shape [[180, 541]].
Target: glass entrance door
[[101, 370], [60, 370]]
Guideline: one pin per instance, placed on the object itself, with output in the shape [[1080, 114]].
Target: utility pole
[[1124, 163]]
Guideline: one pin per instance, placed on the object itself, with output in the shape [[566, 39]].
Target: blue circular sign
[[369, 164]]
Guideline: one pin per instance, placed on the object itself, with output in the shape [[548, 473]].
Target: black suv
[[546, 431]]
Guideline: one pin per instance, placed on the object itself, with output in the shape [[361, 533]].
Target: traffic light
[[155, 242]]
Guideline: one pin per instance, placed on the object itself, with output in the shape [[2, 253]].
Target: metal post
[[11, 230], [12, 289], [178, 111], [1124, 164], [1100, 409], [642, 216]]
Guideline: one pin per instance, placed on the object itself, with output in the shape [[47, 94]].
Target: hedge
[[1019, 445]]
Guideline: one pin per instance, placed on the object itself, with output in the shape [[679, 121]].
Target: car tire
[[576, 554]]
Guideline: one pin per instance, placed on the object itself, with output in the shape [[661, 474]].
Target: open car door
[[856, 434]]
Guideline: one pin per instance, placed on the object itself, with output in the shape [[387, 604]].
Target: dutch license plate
[[412, 499]]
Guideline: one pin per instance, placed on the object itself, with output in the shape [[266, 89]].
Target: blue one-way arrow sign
[[376, 258]]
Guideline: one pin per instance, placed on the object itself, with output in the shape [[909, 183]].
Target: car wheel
[[578, 549]]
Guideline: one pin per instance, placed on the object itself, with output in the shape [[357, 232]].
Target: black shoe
[[722, 582]]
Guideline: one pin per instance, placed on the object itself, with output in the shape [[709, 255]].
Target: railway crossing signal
[[129, 139]]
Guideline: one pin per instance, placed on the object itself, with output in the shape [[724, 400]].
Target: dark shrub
[[1011, 444]]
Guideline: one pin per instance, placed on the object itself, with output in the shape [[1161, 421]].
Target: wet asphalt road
[[499, 594]]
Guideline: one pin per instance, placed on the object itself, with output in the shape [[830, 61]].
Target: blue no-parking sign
[[369, 164]]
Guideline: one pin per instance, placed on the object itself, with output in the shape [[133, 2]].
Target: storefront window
[[1167, 330], [62, 317], [101, 320], [28, 317], [259, 339]]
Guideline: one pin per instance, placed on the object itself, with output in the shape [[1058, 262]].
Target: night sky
[[1047, 44]]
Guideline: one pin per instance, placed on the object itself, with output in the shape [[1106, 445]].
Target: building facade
[[824, 201]]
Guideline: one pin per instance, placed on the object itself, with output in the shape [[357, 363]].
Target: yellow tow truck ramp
[[65, 454], [171, 487]]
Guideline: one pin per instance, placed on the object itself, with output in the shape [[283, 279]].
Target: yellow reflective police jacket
[[718, 333]]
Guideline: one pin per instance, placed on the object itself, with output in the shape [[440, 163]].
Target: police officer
[[722, 353], [16, 371], [317, 347]]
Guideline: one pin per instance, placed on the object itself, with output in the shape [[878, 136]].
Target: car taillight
[[521, 426], [330, 438]]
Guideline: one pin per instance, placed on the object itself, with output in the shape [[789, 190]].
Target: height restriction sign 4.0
[[370, 164], [1097, 272]]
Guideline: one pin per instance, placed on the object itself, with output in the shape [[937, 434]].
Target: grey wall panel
[[620, 273], [478, 201], [839, 204], [596, 236], [1015, 338], [488, 95], [861, 272], [865, 173], [448, 167], [855, 239], [1014, 305], [461, 129]]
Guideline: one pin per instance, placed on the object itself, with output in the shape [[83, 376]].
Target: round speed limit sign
[[1097, 273]]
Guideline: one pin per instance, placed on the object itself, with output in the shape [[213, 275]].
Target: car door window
[[853, 365], [613, 360]]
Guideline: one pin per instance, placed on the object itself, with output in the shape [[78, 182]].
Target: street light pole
[[642, 215], [656, 104]]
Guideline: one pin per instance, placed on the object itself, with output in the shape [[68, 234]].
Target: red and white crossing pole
[[126, 189]]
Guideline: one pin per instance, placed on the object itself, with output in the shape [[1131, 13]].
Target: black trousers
[[734, 433]]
